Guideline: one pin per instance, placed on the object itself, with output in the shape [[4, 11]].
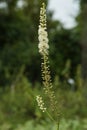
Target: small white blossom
[[40, 103], [42, 33], [43, 41]]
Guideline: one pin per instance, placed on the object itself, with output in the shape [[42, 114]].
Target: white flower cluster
[[43, 36], [40, 103]]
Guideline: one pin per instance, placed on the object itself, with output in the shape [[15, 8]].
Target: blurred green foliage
[[18, 104], [46, 125], [19, 41], [65, 125]]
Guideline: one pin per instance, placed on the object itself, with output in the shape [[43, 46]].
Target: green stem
[[50, 116], [58, 125], [52, 119]]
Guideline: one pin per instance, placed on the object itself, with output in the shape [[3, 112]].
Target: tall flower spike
[[43, 36], [45, 68], [43, 49]]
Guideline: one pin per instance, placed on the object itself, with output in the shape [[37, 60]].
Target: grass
[[65, 125], [74, 124]]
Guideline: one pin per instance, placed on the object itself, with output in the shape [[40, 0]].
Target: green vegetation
[[65, 125], [18, 107]]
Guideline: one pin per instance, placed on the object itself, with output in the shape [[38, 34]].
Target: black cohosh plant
[[45, 69]]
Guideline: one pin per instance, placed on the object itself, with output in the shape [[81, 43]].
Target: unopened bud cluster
[[40, 103]]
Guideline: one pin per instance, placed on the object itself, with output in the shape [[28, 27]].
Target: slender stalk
[[58, 125], [50, 116], [53, 119]]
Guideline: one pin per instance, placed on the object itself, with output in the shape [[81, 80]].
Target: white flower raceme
[[42, 33], [40, 103]]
